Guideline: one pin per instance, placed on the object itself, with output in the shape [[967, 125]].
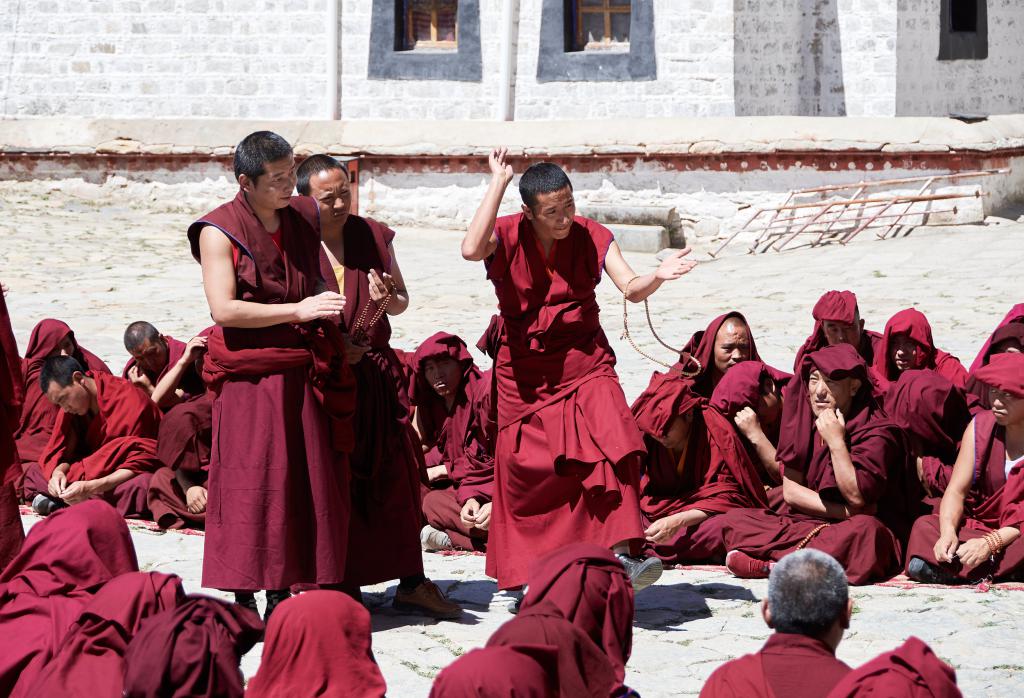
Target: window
[[598, 24], [964, 30], [428, 24]]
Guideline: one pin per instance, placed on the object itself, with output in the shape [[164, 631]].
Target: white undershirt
[[1011, 463]]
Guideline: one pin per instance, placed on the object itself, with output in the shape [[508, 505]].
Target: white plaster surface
[[100, 263]]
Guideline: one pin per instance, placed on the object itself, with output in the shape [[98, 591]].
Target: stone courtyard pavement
[[100, 264]]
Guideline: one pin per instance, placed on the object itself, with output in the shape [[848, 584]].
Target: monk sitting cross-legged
[[959, 546], [153, 355], [809, 608], [696, 469], [907, 344], [910, 671], [837, 320], [713, 351], [567, 456], [452, 401], [103, 442], [843, 461]]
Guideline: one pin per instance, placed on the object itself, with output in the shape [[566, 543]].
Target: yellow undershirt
[[339, 274]]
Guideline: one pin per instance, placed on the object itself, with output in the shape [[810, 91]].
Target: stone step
[[639, 238]]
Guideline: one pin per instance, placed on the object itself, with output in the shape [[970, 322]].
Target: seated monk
[[750, 396], [843, 460], [103, 442], [1007, 338], [49, 338], [520, 671], [152, 356], [907, 344], [695, 469], [933, 413], [452, 400], [177, 491], [12, 396], [910, 671], [837, 321], [725, 342], [958, 546], [809, 608]]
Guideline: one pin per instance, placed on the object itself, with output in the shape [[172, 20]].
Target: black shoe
[[921, 571], [247, 599], [643, 572], [274, 597], [514, 606]]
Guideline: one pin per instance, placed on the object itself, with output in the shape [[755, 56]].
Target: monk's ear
[[246, 183], [527, 212], [847, 614], [78, 377], [766, 613], [855, 384]]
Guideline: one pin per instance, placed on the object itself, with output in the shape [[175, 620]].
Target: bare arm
[[227, 311], [748, 424], [951, 510], [806, 500], [379, 284], [166, 393], [480, 243], [832, 427], [643, 286]]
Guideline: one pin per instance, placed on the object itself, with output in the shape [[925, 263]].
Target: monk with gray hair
[[809, 608]]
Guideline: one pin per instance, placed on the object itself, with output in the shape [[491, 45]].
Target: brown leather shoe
[[426, 599]]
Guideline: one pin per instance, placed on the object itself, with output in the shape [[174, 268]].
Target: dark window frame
[[957, 45], [390, 60], [403, 37], [556, 62]]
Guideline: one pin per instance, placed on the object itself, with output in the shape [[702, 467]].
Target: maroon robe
[[512, 671], [121, 436], [461, 439], [713, 475], [387, 458], [788, 666], [995, 500], [867, 547], [192, 650], [567, 456], [915, 325], [39, 414], [1011, 327], [12, 396], [191, 382], [278, 502], [701, 347], [934, 413], [90, 662], [66, 558], [910, 671], [839, 306], [183, 446], [300, 659]]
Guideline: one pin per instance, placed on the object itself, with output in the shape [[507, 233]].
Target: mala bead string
[[360, 327], [812, 534], [629, 338]]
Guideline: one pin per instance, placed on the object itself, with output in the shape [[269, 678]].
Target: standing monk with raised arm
[[278, 504], [567, 458]]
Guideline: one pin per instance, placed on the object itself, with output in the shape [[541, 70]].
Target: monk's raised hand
[[831, 426], [973, 553], [748, 424], [194, 349], [4, 289], [380, 285], [675, 265], [483, 517], [500, 167], [945, 547], [323, 306]]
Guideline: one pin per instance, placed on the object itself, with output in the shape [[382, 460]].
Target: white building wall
[[926, 86], [868, 35]]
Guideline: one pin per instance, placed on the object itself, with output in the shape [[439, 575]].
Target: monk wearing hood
[[837, 320], [907, 344], [711, 352], [12, 395], [1007, 338]]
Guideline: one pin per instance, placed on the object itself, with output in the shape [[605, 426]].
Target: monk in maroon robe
[[1008, 337], [357, 259], [452, 399], [695, 469], [977, 531], [278, 506], [103, 442], [567, 457], [933, 413], [49, 338], [12, 396], [522, 671], [809, 608], [837, 320], [749, 396], [910, 671], [152, 356], [711, 352], [842, 460], [907, 344]]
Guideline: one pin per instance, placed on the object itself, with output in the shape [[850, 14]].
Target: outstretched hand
[[674, 266], [500, 167]]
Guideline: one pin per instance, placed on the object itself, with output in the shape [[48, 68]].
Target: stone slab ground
[[100, 264]]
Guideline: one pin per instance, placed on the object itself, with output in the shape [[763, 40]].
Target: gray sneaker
[[432, 540], [643, 572], [44, 506]]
